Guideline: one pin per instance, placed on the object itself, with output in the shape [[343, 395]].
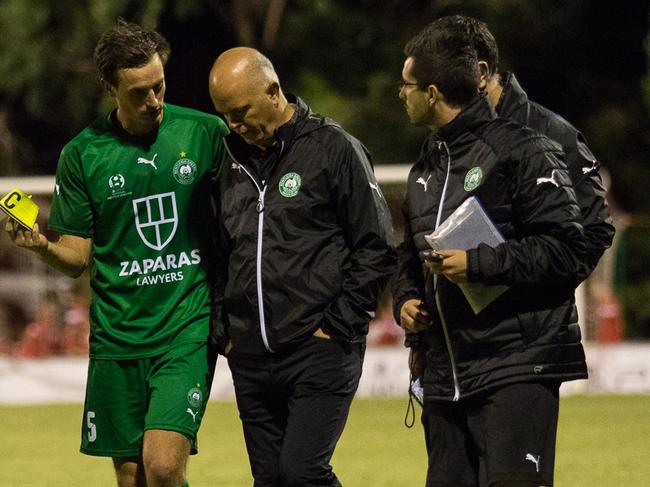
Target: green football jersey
[[145, 202]]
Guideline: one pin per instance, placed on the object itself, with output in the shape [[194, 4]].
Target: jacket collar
[[286, 132], [512, 97], [302, 122], [475, 114]]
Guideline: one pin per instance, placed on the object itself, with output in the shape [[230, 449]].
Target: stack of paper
[[466, 228]]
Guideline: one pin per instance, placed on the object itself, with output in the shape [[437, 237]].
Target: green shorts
[[124, 398]]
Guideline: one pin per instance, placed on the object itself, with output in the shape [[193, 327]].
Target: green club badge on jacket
[[473, 179], [289, 185]]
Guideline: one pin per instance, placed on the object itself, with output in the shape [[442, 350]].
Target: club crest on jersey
[[290, 185], [185, 171], [156, 219], [195, 397], [473, 179]]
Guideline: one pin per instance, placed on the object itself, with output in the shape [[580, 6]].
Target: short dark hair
[[446, 60], [475, 32], [127, 45]]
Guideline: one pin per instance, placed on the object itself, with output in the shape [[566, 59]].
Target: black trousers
[[507, 434], [293, 408]]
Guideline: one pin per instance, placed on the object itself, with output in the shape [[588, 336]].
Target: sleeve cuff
[[473, 268]]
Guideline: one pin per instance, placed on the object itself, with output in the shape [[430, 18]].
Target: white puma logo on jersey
[[552, 179], [192, 413], [423, 182], [535, 459], [143, 160]]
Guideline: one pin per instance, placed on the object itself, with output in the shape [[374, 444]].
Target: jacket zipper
[[258, 263], [260, 229], [443, 321]]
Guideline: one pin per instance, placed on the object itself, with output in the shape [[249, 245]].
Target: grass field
[[603, 441]]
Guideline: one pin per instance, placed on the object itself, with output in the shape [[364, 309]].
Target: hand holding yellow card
[[20, 207]]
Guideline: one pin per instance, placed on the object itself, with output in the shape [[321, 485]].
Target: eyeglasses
[[402, 84]]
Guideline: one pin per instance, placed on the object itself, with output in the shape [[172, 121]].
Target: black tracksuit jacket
[[531, 331], [582, 164], [319, 258]]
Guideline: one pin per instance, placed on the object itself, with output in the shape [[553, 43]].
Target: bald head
[[241, 68], [245, 89]]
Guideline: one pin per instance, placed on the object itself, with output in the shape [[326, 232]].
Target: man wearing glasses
[[491, 377]]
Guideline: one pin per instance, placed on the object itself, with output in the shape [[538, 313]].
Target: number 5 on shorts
[[92, 430]]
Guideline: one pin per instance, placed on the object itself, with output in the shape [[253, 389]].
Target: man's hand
[[453, 265], [70, 254], [413, 316], [28, 239]]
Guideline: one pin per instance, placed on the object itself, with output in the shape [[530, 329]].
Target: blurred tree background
[[585, 59]]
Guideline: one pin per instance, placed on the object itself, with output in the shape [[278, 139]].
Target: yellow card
[[20, 207]]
